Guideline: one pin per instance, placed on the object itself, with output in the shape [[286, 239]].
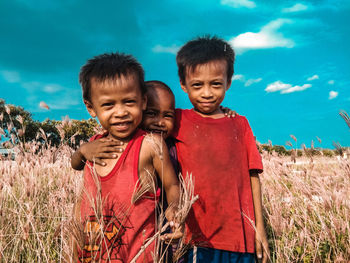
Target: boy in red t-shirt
[[226, 223], [114, 92]]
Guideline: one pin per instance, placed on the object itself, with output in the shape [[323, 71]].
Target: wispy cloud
[[285, 88], [295, 8], [313, 77], [164, 49], [52, 88], [252, 81], [239, 3], [267, 37], [238, 77], [10, 76], [331, 82], [333, 94]]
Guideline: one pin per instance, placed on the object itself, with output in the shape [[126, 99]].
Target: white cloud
[[238, 77], [333, 94], [313, 77], [296, 88], [239, 3], [331, 82], [285, 88], [267, 37], [295, 8], [163, 49], [10, 76], [52, 88], [252, 81]]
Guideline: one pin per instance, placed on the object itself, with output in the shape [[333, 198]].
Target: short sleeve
[[254, 157]]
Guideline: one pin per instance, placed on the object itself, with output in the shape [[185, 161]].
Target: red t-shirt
[[219, 153], [126, 226]]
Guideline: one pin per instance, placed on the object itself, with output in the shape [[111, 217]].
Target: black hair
[[203, 50], [110, 66]]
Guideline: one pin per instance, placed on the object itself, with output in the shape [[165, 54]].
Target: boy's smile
[[159, 116], [206, 86], [118, 105]]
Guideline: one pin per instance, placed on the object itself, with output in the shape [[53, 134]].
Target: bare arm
[[163, 166], [95, 151], [165, 171], [262, 246]]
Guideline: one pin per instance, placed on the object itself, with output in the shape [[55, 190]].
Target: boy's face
[[159, 116], [118, 105], [206, 86]]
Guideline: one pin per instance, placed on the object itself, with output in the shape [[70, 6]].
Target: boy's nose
[[206, 92], [120, 112], [160, 122]]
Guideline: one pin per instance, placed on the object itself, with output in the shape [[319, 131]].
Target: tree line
[[18, 126]]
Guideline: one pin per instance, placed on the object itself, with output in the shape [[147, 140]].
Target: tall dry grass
[[306, 206], [307, 209]]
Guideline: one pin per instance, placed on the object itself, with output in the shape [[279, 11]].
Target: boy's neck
[[217, 114], [124, 140]]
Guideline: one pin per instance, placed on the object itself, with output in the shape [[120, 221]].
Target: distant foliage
[[18, 126]]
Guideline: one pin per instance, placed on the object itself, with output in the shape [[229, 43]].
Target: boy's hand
[[228, 112], [100, 149], [261, 245], [176, 228]]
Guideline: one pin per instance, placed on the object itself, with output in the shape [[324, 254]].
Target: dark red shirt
[[219, 153], [126, 226]]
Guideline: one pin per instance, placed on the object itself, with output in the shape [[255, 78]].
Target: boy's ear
[[89, 108], [183, 86], [144, 102]]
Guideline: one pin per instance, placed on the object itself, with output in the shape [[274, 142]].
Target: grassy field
[[306, 207]]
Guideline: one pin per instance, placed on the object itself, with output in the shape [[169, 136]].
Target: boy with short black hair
[[159, 116], [220, 152], [114, 92]]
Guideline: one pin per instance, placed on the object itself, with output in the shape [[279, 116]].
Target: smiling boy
[[114, 92], [220, 152]]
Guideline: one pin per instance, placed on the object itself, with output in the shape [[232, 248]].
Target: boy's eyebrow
[[151, 108]]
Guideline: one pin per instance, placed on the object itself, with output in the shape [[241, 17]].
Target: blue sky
[[291, 71]]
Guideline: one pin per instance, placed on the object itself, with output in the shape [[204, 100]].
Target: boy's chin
[[163, 134], [207, 112], [121, 137]]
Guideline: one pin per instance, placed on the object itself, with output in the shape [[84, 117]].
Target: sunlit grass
[[306, 207]]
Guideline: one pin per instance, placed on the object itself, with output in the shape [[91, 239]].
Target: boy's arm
[[95, 151], [170, 182], [165, 171], [261, 243]]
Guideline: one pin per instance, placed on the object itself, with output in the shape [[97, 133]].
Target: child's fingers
[[98, 161], [106, 155], [112, 149], [232, 114], [258, 249], [172, 237]]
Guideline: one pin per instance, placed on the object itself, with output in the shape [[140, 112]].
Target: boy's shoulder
[[152, 143]]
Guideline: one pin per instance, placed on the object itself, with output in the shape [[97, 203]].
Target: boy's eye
[[150, 113], [169, 116], [196, 85], [130, 102], [107, 104], [217, 84]]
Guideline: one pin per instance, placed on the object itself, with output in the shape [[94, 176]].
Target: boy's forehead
[[121, 79], [219, 65], [158, 95]]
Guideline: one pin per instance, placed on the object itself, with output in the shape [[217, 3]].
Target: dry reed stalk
[[187, 199]]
